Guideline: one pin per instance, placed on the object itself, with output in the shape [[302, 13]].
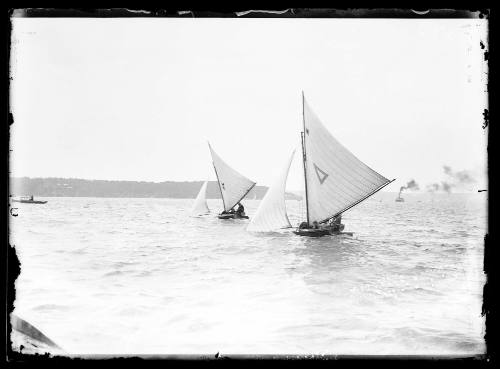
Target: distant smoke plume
[[412, 185], [446, 187], [455, 179], [433, 187], [462, 177]]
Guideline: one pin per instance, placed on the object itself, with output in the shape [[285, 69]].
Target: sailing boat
[[335, 180], [271, 213], [232, 185], [200, 206]]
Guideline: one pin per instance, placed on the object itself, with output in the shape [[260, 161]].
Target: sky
[[138, 98]]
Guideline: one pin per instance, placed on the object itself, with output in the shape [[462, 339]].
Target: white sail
[[336, 179], [233, 186], [200, 205], [271, 213]]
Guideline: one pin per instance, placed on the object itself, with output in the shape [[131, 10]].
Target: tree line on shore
[[73, 187]]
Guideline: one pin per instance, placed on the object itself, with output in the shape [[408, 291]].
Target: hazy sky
[[137, 99]]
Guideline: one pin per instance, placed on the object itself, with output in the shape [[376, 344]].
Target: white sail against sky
[[271, 213], [336, 179], [200, 205], [233, 185]]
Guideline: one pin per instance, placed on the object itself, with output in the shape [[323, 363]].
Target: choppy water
[[141, 276]]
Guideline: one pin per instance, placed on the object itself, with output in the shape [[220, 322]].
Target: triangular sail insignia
[[200, 205], [321, 175], [233, 186], [271, 213], [336, 179]]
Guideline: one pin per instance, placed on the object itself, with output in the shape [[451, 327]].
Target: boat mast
[[217, 175], [220, 189], [303, 138]]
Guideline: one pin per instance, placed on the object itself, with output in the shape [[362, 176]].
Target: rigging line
[[252, 186]]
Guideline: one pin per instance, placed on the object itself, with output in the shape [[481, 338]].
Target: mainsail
[[335, 179], [271, 213], [233, 186], [200, 206]]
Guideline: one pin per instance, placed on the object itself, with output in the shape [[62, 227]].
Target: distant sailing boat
[[335, 180], [232, 185], [271, 213], [200, 206], [29, 200]]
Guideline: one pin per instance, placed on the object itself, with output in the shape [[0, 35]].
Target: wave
[[52, 307], [374, 290]]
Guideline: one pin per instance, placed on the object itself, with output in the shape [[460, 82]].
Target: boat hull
[[28, 340], [30, 201], [232, 216], [310, 232]]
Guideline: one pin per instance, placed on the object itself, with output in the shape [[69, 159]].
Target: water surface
[[132, 276]]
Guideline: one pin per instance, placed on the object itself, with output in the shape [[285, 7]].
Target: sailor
[[336, 223], [241, 210], [315, 225]]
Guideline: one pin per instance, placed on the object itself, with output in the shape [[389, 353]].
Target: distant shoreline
[[394, 194], [74, 187], [36, 197]]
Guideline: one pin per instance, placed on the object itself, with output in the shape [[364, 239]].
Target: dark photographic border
[[489, 308]]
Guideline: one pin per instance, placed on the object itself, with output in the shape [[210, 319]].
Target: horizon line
[[203, 180]]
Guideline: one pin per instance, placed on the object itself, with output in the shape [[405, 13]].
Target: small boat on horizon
[[233, 188], [28, 200], [399, 198]]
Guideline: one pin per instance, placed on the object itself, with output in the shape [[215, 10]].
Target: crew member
[[241, 210]]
